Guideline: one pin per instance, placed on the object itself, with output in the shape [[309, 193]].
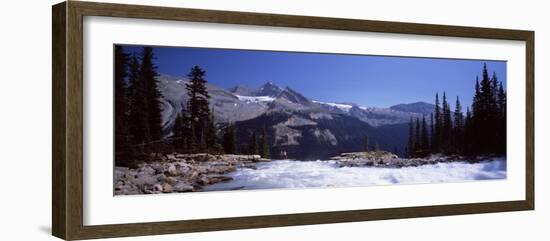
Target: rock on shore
[[176, 172], [388, 159]]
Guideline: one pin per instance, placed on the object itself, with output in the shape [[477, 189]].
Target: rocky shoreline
[[174, 173], [390, 160]]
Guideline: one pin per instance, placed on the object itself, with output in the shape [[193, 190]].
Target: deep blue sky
[[374, 81]]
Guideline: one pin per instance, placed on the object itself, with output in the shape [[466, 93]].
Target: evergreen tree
[[494, 86], [432, 132], [178, 132], [198, 104], [149, 75], [447, 125], [366, 144], [486, 116], [424, 136], [253, 147], [139, 126], [124, 150], [482, 131], [212, 144], [458, 126], [229, 140], [501, 99], [193, 143], [476, 111], [203, 129], [417, 139], [410, 145], [264, 144], [437, 125], [467, 145]]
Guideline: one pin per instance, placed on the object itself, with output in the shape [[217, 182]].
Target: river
[[316, 174]]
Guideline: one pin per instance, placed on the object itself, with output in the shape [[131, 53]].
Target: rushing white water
[[301, 174]]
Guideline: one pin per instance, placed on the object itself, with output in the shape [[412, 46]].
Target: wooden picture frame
[[67, 159]]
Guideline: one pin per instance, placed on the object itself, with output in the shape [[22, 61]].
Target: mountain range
[[305, 129]]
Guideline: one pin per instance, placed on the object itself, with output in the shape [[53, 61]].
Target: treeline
[[138, 121], [195, 129], [481, 131]]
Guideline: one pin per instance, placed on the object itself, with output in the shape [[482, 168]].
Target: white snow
[[343, 107], [300, 174], [255, 99]]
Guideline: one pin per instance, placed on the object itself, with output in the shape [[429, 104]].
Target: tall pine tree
[[152, 96], [124, 150], [212, 135], [417, 138], [458, 126], [438, 120], [424, 136], [178, 133], [432, 132], [229, 139], [264, 144], [467, 144], [447, 125], [198, 104], [253, 146], [501, 128], [139, 114], [410, 144]]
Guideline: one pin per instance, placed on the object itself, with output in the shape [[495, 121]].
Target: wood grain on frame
[[67, 136]]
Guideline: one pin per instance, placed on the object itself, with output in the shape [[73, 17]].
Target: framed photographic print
[[170, 120]]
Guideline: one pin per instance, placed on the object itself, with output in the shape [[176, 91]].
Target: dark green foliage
[[193, 142], [212, 135], [424, 136], [152, 93], [366, 144], [458, 129], [446, 126], [138, 110], [501, 126], [178, 133], [264, 144], [230, 139], [411, 144], [468, 134], [481, 132], [432, 132], [144, 107], [197, 106], [138, 104], [253, 145], [203, 130], [488, 118], [124, 145], [436, 140], [417, 137]]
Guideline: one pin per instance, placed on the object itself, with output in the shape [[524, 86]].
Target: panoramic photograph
[[190, 119]]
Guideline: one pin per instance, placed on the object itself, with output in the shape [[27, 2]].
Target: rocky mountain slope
[[304, 128]]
